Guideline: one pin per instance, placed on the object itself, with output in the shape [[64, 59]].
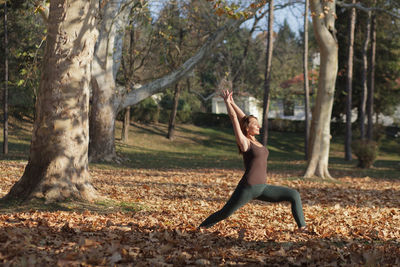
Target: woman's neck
[[252, 138]]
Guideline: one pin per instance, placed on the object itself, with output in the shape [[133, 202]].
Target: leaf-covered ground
[[353, 222]]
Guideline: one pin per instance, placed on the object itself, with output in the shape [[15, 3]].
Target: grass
[[199, 147]]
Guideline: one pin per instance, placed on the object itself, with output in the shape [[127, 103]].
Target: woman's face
[[254, 127]]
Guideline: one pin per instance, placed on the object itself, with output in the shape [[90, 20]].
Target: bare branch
[[367, 9], [160, 84]]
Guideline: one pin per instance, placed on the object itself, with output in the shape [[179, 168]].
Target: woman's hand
[[227, 96]]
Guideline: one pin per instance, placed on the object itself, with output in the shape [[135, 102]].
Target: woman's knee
[[295, 195]]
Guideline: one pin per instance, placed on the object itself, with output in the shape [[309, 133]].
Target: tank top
[[255, 163]]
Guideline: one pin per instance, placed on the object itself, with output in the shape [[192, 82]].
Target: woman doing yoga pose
[[253, 183]]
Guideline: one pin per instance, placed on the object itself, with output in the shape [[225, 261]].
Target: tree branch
[[160, 84], [367, 9]]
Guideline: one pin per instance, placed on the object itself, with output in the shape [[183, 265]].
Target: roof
[[299, 79]]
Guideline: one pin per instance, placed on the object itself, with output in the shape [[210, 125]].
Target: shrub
[[146, 111], [365, 151], [184, 112], [211, 120], [281, 125]]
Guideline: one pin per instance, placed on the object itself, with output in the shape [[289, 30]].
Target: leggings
[[270, 193]]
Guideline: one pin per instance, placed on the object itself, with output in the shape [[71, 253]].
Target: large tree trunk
[[325, 32], [172, 117], [267, 76], [306, 83], [371, 87], [364, 90], [349, 84], [106, 62], [58, 159], [5, 95]]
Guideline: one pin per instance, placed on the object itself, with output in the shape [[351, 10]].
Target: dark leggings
[[270, 193]]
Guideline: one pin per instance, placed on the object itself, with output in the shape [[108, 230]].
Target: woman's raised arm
[[241, 139], [238, 111]]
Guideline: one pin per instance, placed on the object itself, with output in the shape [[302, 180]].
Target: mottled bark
[[106, 62], [325, 32], [58, 161], [349, 84], [267, 75]]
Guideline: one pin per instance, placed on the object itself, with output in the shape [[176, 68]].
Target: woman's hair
[[244, 124]]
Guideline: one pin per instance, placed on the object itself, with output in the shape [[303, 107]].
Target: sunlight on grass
[[205, 147]]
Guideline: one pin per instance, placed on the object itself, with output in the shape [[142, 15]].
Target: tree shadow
[[147, 158], [16, 151]]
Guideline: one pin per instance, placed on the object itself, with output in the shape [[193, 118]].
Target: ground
[[151, 217], [163, 190]]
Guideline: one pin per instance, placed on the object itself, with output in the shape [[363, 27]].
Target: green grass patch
[[205, 147]]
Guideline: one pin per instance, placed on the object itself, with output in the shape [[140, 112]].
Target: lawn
[[163, 189]]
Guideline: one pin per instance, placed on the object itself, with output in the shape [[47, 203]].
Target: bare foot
[[304, 229]]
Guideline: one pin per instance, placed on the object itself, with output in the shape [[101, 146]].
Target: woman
[[253, 183]]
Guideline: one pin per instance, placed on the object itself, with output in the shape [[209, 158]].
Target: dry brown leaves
[[353, 222]]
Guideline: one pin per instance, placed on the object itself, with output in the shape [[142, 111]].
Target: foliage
[[186, 106], [211, 120], [387, 89], [146, 111], [26, 33], [366, 152]]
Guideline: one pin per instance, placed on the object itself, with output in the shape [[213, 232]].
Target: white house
[[288, 110], [249, 105]]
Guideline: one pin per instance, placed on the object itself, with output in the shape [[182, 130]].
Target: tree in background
[[306, 81], [371, 80], [267, 76], [26, 35], [138, 42], [114, 99], [385, 96], [364, 78], [349, 83], [324, 15], [176, 26], [5, 95]]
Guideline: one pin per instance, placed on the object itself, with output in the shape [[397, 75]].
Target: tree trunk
[[106, 62], [58, 161], [172, 117], [267, 76], [349, 84], [125, 126], [364, 91], [105, 139], [5, 96], [325, 32], [306, 83], [371, 87]]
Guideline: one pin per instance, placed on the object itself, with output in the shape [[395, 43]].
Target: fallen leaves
[[354, 221]]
